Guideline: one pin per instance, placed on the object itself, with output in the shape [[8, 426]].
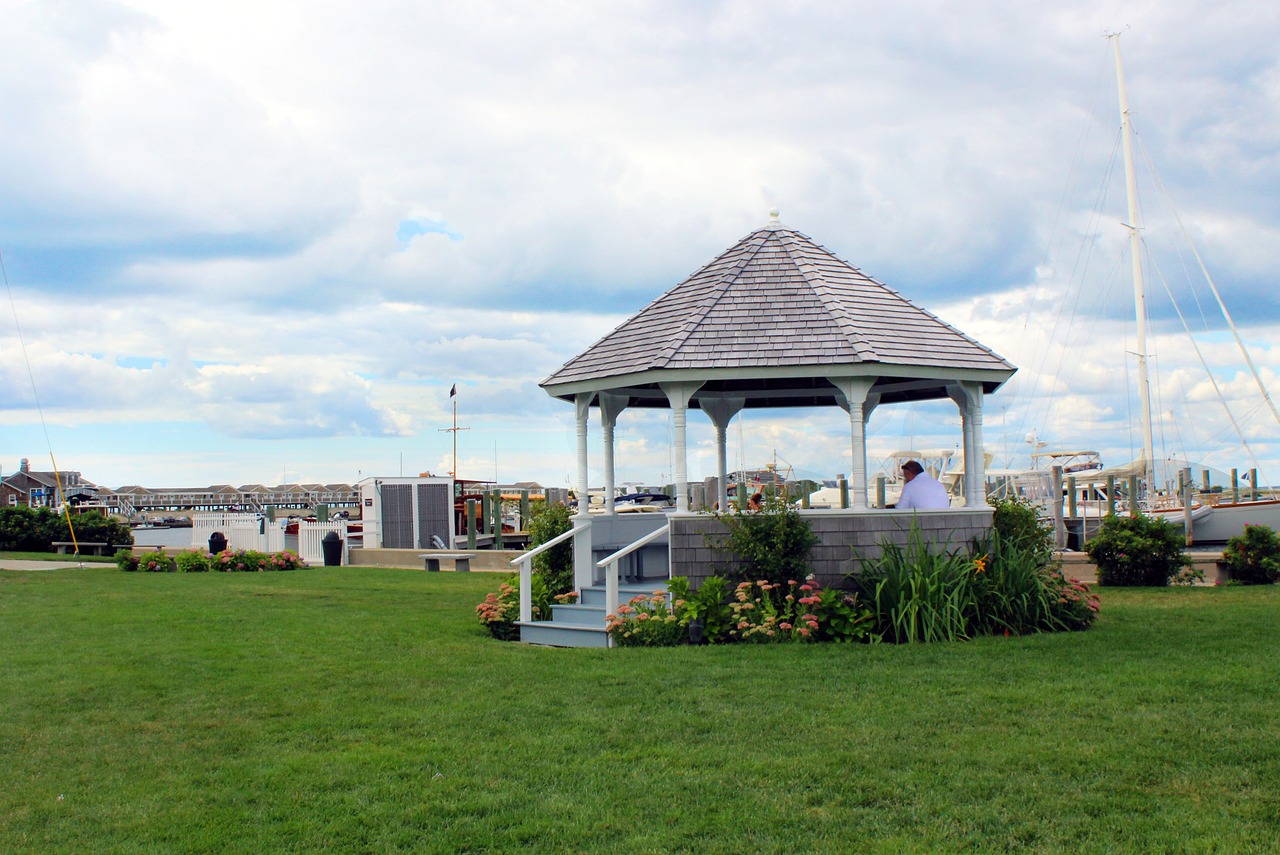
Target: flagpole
[[453, 396]]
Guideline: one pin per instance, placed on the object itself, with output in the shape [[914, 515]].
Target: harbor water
[[179, 537]]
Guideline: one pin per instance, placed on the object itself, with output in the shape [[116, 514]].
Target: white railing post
[[611, 588], [583, 572], [526, 589]]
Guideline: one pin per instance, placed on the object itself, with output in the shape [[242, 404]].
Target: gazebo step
[[556, 634], [595, 595]]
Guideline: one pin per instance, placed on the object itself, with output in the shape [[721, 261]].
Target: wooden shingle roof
[[776, 303]]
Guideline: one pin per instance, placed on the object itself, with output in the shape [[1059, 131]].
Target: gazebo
[[775, 321]]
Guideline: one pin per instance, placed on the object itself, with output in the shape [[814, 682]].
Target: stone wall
[[844, 536]]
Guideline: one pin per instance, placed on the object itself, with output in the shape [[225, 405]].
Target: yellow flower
[[979, 564]]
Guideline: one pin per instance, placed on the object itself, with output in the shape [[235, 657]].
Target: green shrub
[[155, 561], [772, 543], [92, 527], [193, 561], [1018, 525], [1253, 556], [1018, 589], [706, 607], [555, 566], [253, 561], [919, 595], [26, 529], [1138, 550]]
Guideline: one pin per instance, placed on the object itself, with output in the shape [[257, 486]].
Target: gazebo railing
[[609, 564], [525, 560]]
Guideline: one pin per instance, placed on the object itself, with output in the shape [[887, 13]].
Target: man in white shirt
[[921, 490]]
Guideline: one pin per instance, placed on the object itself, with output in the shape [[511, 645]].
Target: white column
[[679, 395], [610, 407], [721, 411], [980, 453], [968, 398], [859, 403], [583, 571], [582, 403]]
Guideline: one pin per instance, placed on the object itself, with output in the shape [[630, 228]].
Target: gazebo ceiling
[[774, 320]]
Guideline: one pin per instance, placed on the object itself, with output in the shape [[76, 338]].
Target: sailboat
[[1216, 522]]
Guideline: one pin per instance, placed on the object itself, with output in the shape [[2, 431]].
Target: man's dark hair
[[912, 466]]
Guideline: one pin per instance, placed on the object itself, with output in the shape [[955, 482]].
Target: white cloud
[[218, 190]]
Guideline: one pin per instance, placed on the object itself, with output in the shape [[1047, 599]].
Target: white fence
[[251, 531], [310, 535]]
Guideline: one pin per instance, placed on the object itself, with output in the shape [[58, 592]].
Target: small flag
[[454, 391]]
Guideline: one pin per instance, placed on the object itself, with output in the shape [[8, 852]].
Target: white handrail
[[525, 561], [610, 566]]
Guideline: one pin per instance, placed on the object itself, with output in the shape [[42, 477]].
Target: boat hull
[[1229, 520]]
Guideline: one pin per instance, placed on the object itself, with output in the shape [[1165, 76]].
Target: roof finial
[[773, 220]]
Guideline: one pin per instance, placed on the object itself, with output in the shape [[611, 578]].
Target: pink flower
[[642, 616], [784, 626]]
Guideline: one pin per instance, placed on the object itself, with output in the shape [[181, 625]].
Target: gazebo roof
[[773, 319]]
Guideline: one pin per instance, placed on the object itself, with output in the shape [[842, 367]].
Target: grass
[[354, 709]]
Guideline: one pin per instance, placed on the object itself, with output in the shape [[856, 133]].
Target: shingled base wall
[[844, 537]]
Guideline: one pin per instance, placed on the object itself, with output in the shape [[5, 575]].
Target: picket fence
[[250, 531]]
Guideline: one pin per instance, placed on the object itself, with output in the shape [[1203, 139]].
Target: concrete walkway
[[13, 564]]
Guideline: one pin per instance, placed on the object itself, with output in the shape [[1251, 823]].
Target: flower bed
[[198, 561]]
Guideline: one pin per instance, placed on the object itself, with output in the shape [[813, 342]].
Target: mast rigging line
[[1253, 369], [22, 345], [1205, 365]]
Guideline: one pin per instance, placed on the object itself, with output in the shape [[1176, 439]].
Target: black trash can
[[217, 542], [331, 544]]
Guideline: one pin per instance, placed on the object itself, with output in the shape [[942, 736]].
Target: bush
[[1018, 525], [193, 561], [917, 595], [555, 565], [1019, 590], [707, 606], [29, 529], [196, 561], [1139, 550], [147, 562], [1253, 556], [91, 527], [772, 543]]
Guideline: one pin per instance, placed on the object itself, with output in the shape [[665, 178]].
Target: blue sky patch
[[410, 229]]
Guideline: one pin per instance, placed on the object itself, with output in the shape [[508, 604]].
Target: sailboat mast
[[1135, 250]]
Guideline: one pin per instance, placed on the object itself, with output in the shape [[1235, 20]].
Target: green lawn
[[362, 710]]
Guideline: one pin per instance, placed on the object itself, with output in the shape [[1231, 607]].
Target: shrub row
[[37, 529], [196, 561]]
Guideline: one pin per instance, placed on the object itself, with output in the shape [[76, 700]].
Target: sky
[[260, 242]]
